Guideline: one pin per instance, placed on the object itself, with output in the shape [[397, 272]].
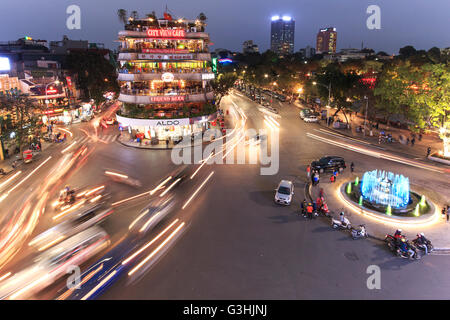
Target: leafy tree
[[95, 74], [223, 84], [407, 51], [26, 115], [202, 17], [122, 15]]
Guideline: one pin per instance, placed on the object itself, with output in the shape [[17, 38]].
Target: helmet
[[403, 240], [422, 234], [399, 230], [342, 213]]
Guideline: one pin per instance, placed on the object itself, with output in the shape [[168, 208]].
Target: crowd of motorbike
[[397, 243]]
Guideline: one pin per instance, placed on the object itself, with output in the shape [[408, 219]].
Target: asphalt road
[[238, 244]]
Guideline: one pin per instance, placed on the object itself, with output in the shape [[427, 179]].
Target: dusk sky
[[420, 23]]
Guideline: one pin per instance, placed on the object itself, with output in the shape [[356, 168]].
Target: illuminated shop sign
[[157, 99], [167, 77], [207, 76], [166, 56], [52, 91], [165, 51], [4, 64], [130, 122], [165, 33]]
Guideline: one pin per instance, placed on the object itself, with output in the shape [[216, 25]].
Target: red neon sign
[[50, 91], [166, 33]]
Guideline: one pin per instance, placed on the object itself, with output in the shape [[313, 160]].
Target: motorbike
[[422, 246], [392, 244], [337, 224], [359, 232]]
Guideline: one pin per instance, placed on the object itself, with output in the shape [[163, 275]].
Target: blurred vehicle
[[305, 112], [328, 163], [68, 198], [182, 173], [151, 215], [68, 228], [52, 264], [311, 118], [109, 121], [123, 178], [284, 192]]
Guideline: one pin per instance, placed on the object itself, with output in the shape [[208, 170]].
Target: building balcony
[[130, 56], [188, 75], [148, 97]]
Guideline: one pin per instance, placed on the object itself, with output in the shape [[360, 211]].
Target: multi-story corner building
[[249, 47], [164, 76], [282, 34], [326, 40]]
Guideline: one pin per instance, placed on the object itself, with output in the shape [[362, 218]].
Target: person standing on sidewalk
[[167, 143], [352, 167], [413, 140], [428, 151]]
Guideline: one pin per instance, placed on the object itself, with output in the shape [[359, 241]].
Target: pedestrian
[[319, 202], [447, 213], [303, 206], [308, 170], [444, 212], [352, 167], [309, 210], [413, 140], [428, 151], [321, 193], [65, 136], [379, 139], [332, 178], [407, 141], [420, 136], [167, 143]]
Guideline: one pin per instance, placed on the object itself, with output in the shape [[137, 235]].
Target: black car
[[329, 163]]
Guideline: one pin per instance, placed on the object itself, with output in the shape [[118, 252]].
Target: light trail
[[3, 197], [203, 163], [154, 252], [375, 154], [10, 179], [103, 282], [69, 147], [6, 275], [94, 190], [151, 192], [66, 294], [110, 173], [170, 187], [149, 243], [65, 130], [198, 189]]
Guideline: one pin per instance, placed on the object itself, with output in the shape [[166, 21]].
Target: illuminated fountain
[[385, 188], [386, 193]]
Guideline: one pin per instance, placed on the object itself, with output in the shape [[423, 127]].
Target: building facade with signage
[[326, 40], [164, 75]]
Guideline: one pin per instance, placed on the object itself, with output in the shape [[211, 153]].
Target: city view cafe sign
[[166, 33]]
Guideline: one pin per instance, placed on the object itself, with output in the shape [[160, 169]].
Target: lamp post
[[365, 117], [329, 98]]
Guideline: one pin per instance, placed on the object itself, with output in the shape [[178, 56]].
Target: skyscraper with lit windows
[[282, 34]]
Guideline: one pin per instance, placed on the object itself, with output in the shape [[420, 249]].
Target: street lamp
[[329, 97], [365, 117]]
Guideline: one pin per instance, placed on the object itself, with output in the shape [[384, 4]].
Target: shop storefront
[[163, 129]]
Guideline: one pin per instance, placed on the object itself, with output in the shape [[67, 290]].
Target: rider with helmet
[[422, 241], [406, 248]]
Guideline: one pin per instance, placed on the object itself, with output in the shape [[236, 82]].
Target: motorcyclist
[[406, 248], [422, 241], [309, 210], [303, 206], [67, 194]]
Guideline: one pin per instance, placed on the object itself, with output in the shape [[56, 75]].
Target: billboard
[[4, 64]]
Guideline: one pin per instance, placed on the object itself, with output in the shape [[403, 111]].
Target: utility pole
[[365, 117]]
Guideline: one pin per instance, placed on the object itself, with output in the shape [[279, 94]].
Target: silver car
[[284, 192]]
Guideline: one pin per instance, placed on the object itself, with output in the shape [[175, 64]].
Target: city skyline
[[100, 24]]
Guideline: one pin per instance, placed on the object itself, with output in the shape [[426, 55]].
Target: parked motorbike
[[359, 232], [421, 247], [337, 224]]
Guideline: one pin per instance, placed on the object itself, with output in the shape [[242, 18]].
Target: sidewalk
[[419, 150], [439, 232]]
